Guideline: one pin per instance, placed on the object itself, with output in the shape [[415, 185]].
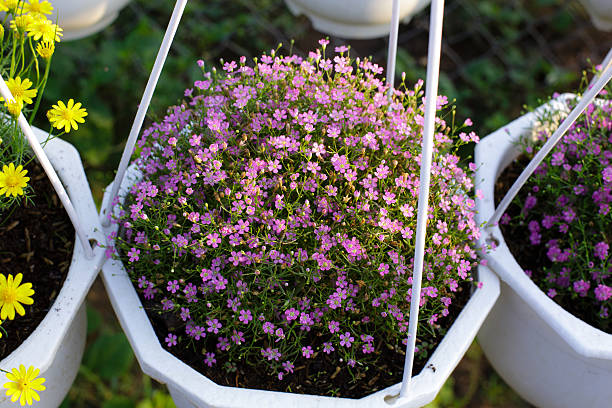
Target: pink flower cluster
[[277, 209], [568, 216]]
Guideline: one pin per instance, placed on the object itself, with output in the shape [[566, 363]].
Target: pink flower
[[601, 250], [346, 339]]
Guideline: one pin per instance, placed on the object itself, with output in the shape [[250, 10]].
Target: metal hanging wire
[[588, 97], [431, 96], [143, 107], [50, 171]]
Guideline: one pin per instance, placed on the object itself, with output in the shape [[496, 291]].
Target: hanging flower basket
[[361, 19], [57, 344], [206, 236], [549, 356], [220, 160]]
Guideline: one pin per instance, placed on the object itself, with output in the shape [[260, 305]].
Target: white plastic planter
[[81, 18], [57, 344], [551, 358], [600, 12], [190, 389], [356, 19]]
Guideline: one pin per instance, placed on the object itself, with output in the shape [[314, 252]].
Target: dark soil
[[35, 240], [529, 256], [320, 375]]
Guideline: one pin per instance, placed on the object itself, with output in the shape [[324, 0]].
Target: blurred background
[[498, 56]]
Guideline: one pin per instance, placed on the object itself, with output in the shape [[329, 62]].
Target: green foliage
[[109, 356], [157, 400], [109, 376]]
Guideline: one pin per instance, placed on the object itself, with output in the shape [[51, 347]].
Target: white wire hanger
[[598, 83]]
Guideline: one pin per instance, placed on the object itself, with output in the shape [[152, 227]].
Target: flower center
[[67, 115], [12, 181], [8, 296], [17, 92], [23, 384]]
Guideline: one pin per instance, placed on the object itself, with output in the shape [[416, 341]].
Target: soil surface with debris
[[36, 239]]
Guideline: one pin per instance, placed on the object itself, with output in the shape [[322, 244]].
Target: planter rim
[[39, 348], [365, 19], [85, 17], [492, 155], [164, 367]]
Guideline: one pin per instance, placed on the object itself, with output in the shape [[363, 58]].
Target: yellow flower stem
[[12, 70], [22, 53], [35, 60], [41, 89]]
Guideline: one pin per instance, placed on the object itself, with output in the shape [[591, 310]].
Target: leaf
[[118, 402], [94, 319], [159, 400], [110, 356]]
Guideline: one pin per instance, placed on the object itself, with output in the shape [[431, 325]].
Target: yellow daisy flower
[[37, 7], [42, 27], [13, 107], [13, 294], [12, 181], [21, 23], [21, 89], [23, 385], [9, 5], [66, 116], [45, 49]]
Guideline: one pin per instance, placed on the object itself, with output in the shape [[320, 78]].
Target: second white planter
[[56, 346], [551, 358]]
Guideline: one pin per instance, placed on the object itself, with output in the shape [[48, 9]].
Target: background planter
[[57, 344], [191, 389], [85, 17], [600, 12], [357, 19], [551, 358]]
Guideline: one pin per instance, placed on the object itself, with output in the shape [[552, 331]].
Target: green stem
[[41, 90]]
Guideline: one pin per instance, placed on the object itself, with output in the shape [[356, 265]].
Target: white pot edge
[[492, 155], [202, 392], [365, 27], [41, 348], [85, 18]]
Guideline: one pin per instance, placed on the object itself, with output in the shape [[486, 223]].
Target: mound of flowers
[[273, 226], [563, 215]]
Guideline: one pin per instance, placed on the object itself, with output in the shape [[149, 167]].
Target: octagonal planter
[[551, 358], [56, 345], [85, 17], [191, 389], [356, 19]]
